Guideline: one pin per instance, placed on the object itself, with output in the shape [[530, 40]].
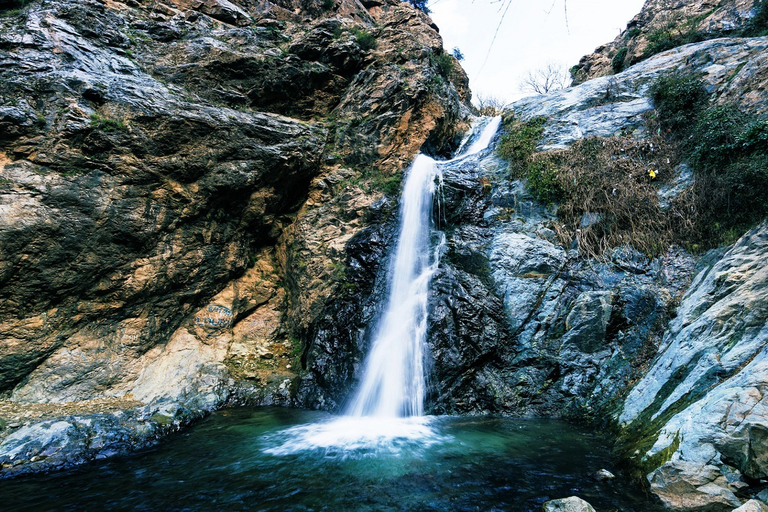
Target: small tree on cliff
[[550, 77], [420, 5]]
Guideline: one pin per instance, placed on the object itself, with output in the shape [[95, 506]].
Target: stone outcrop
[[521, 324], [662, 25], [178, 185], [702, 399], [734, 69], [572, 504]]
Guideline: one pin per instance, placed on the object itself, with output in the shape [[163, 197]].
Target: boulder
[[752, 506], [572, 504]]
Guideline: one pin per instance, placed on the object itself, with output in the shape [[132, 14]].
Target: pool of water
[[293, 460]]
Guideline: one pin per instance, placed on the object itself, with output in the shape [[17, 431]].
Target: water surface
[[259, 459]]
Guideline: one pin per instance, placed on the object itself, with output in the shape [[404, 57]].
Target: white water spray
[[393, 383], [388, 405]]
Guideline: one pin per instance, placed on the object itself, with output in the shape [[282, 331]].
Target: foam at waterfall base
[[356, 437]]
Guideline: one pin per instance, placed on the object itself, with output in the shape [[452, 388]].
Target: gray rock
[[752, 506], [572, 504], [608, 105], [711, 372], [604, 474], [692, 486], [681, 181], [71, 440], [587, 320]]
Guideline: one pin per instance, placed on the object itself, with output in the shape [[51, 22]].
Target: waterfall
[[393, 382], [386, 411]]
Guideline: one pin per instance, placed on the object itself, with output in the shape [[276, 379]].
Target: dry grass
[[609, 179]]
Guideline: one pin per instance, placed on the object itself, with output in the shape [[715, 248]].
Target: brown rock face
[[178, 182], [662, 25]]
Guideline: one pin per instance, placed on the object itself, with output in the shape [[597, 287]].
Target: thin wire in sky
[[505, 6]]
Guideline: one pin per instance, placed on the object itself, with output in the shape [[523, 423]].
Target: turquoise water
[[244, 459]]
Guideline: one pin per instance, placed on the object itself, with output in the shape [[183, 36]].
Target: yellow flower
[[652, 174]]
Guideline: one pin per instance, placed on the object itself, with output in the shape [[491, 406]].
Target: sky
[[533, 33]]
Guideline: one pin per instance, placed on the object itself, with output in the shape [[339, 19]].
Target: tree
[[420, 5], [457, 53], [546, 79], [489, 105]]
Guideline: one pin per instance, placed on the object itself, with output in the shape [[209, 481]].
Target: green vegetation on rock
[[108, 124], [728, 151], [519, 140], [11, 7], [443, 62], [518, 146], [366, 40], [617, 63], [674, 33]]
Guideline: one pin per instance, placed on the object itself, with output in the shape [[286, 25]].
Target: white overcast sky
[[532, 34]]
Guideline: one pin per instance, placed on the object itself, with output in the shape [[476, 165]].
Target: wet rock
[[518, 324], [197, 227], [572, 504], [708, 380], [71, 440], [587, 322], [605, 475], [691, 486]]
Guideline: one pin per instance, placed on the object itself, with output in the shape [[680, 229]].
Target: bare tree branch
[[550, 77], [489, 105]]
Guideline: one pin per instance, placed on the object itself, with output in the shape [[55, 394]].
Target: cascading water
[[393, 383], [388, 405]]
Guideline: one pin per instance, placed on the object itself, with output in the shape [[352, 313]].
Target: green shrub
[[632, 33], [107, 124], [520, 140], [518, 146], [544, 181], [675, 32], [365, 40], [728, 151], [715, 134], [730, 157], [443, 62], [678, 99], [617, 63], [328, 4]]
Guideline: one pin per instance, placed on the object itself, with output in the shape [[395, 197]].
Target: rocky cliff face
[[197, 202], [668, 347], [179, 182], [662, 25]]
